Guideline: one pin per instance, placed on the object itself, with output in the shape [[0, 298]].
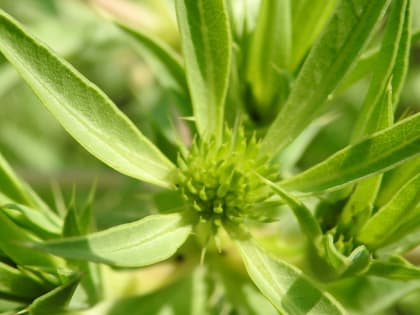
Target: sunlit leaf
[[206, 44], [285, 286], [376, 153], [83, 110], [388, 219], [328, 62], [372, 116], [140, 243]]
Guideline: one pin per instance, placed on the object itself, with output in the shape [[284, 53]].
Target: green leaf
[[11, 236], [370, 295], [403, 242], [309, 17], [15, 189], [55, 301], [394, 268], [77, 223], [361, 69], [285, 286], [390, 67], [395, 179], [402, 61], [328, 62], [15, 283], [364, 64], [206, 44], [372, 116], [361, 202], [45, 226], [388, 219], [377, 153], [270, 51], [306, 220], [140, 243], [83, 110], [164, 61]]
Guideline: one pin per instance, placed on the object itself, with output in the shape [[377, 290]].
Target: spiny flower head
[[220, 182]]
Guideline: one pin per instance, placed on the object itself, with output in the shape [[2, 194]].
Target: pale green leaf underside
[[328, 62], [206, 44], [83, 110], [285, 286], [377, 153], [140, 243]]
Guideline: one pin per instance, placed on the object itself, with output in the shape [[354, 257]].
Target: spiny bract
[[220, 182]]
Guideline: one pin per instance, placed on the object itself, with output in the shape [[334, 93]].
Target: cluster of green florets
[[220, 182]]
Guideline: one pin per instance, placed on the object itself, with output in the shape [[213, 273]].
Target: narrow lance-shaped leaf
[[78, 222], [41, 225], [363, 295], [360, 204], [403, 241], [11, 236], [395, 179], [328, 62], [83, 110], [285, 286], [306, 220], [308, 19], [16, 284], [371, 117], [377, 153], [394, 268], [206, 44], [15, 189], [140, 243], [388, 218], [402, 61], [363, 67], [377, 111], [164, 61], [270, 51], [55, 301]]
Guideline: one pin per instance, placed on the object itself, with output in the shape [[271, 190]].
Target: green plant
[[252, 92]]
